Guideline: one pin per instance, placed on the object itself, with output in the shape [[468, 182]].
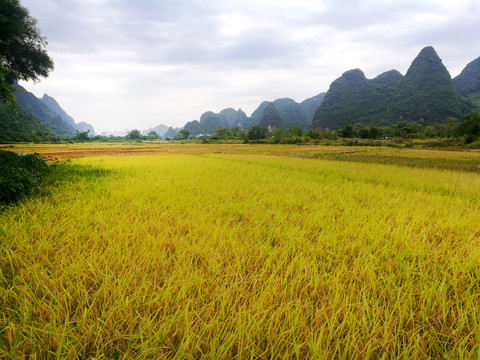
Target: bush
[[474, 145], [19, 174], [350, 142]]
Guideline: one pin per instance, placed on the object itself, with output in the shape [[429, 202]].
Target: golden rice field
[[244, 252]]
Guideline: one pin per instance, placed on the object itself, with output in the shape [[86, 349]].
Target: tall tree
[[134, 135], [22, 49]]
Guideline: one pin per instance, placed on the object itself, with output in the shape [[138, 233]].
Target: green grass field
[[246, 253]]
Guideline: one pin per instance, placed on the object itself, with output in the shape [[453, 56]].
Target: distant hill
[[194, 128], [271, 117], [353, 98], [34, 106], [229, 117], [310, 105], [425, 95], [83, 127], [114, 133], [159, 129], [292, 113], [468, 81], [53, 105], [171, 132], [45, 118], [22, 127], [210, 121], [257, 113]]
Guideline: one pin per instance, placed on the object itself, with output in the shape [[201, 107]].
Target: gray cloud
[[171, 60]]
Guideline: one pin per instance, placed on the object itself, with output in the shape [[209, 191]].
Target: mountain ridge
[[46, 118], [53, 105], [34, 106], [425, 95]]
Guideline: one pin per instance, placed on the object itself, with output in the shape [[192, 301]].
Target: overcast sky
[[135, 64]]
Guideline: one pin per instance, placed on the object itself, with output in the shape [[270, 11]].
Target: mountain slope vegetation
[[23, 127], [425, 95], [353, 98], [31, 104]]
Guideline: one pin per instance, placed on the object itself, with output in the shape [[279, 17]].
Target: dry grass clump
[[243, 256]]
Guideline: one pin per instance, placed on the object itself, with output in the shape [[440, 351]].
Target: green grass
[[427, 163]]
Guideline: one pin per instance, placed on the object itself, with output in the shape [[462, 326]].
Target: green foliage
[[293, 135], [316, 134], [414, 162], [402, 130], [236, 132], [182, 135], [370, 132], [470, 127], [347, 132], [6, 87], [21, 48], [257, 133], [447, 129], [134, 135], [152, 135], [294, 131], [81, 136], [19, 174], [23, 127], [222, 132], [475, 100]]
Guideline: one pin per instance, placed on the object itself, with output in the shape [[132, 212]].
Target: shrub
[[19, 174]]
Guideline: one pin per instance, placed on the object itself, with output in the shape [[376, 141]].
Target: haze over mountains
[[426, 94]]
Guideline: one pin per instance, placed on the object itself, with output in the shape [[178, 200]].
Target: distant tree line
[[468, 129]]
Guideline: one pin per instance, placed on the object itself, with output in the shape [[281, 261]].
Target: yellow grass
[[224, 253]]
